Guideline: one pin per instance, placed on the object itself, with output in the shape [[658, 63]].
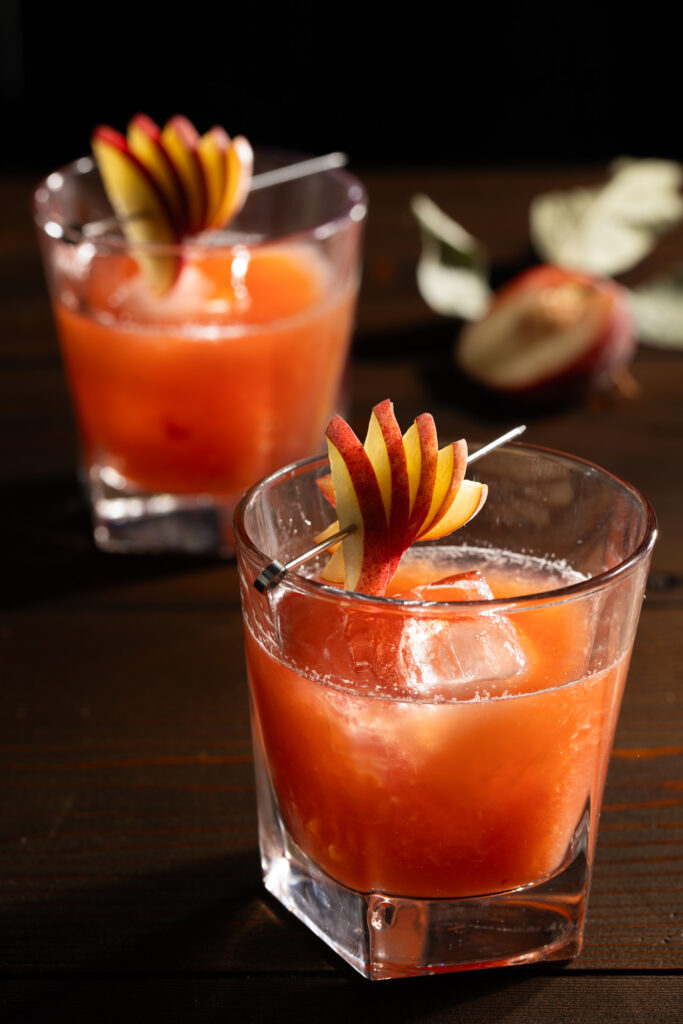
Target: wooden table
[[129, 870]]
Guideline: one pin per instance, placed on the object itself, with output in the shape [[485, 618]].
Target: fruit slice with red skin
[[461, 586], [422, 455], [334, 571], [240, 165], [385, 528], [212, 149], [180, 139], [550, 333], [467, 501], [326, 487], [139, 205], [144, 141], [384, 445], [450, 473], [359, 503]]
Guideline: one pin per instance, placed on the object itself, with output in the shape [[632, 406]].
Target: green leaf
[[452, 273], [609, 229], [658, 306]]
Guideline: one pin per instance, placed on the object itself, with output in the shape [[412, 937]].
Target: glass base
[[384, 936], [129, 520]]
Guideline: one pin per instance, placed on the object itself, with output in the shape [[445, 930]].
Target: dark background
[[428, 84]]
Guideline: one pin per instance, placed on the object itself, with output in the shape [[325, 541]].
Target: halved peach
[[551, 334], [139, 204]]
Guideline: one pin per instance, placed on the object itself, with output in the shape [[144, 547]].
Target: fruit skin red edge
[[115, 139], [186, 132], [429, 450], [400, 488], [594, 370], [373, 571], [153, 131], [457, 477], [360, 501]]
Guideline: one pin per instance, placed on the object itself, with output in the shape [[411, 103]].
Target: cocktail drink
[[185, 396], [430, 763]]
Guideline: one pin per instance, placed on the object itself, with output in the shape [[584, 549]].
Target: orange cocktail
[[184, 399], [382, 809], [430, 764], [206, 389]]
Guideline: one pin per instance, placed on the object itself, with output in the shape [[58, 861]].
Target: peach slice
[[212, 150], [144, 142], [422, 455], [180, 139], [384, 445], [240, 165], [550, 334], [359, 503], [450, 473], [335, 570], [139, 205], [394, 490], [326, 487], [467, 501]]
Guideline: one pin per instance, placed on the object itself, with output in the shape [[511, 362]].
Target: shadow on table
[[49, 550], [205, 942]]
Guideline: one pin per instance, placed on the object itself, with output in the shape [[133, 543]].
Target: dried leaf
[[452, 273], [609, 229], [658, 306]]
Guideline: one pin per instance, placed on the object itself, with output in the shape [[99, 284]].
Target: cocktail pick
[[300, 169], [275, 571], [266, 179]]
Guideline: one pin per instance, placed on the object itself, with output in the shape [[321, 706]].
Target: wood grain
[[130, 876]]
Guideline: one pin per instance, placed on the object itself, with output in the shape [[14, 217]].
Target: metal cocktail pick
[[300, 169], [275, 571], [266, 179]]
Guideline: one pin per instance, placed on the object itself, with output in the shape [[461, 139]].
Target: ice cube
[[460, 657], [436, 654], [443, 653], [198, 297], [402, 654]]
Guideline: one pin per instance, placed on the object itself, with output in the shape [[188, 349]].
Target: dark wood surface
[[129, 873]]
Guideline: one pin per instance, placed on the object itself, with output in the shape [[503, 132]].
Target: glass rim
[[354, 211], [556, 595]]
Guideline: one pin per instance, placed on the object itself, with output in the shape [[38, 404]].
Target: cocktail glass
[[183, 401], [430, 773]]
